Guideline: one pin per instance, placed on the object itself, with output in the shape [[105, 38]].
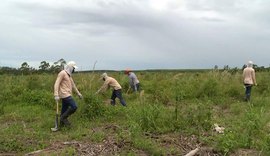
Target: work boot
[[247, 98], [113, 102], [63, 119], [64, 122]]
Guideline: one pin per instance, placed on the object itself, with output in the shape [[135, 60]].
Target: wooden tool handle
[[56, 107]]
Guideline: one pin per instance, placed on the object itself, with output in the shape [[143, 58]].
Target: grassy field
[[173, 115]]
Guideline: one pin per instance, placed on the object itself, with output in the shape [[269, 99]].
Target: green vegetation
[[175, 112], [46, 67]]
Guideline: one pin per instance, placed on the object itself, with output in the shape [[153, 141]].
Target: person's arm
[[245, 73], [244, 76], [130, 80], [75, 88], [104, 86], [57, 85], [254, 77]]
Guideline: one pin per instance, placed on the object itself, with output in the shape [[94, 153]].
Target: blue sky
[[139, 34]]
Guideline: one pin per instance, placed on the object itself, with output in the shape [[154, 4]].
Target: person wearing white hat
[[117, 89], [63, 90], [249, 79]]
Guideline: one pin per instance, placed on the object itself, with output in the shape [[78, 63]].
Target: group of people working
[[64, 84]]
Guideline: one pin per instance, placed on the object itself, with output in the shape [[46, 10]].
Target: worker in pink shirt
[[117, 89], [249, 79], [63, 90]]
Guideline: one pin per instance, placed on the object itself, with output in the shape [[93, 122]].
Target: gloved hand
[[57, 98], [80, 95]]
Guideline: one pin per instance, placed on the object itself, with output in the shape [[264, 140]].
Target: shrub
[[92, 107], [151, 118], [195, 119], [38, 97], [209, 88], [227, 142], [233, 91]]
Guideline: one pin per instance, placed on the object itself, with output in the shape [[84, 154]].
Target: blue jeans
[[248, 91], [118, 94], [68, 102]]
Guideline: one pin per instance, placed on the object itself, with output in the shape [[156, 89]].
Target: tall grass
[[173, 102]]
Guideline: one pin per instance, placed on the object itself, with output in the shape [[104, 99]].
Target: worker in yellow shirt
[[117, 89]]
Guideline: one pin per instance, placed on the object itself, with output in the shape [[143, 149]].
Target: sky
[[136, 34]]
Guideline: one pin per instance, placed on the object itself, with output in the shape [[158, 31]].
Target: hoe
[[54, 129]]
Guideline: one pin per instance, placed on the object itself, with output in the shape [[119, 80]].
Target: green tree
[[25, 68], [244, 66], [58, 65], [44, 66], [226, 67]]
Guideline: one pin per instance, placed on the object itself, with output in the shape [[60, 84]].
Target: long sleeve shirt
[[64, 84], [249, 76], [133, 80], [110, 82]]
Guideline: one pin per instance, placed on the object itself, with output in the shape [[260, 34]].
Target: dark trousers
[[68, 102], [248, 91], [137, 86], [118, 94]]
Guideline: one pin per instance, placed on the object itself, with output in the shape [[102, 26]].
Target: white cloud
[[136, 33]]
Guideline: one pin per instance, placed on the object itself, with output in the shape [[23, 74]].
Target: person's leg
[[64, 106], [133, 88], [113, 98], [248, 92], [73, 104], [72, 107], [63, 110], [138, 87], [119, 95]]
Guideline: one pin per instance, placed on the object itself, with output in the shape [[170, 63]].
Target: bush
[[209, 88], [92, 107], [38, 97], [227, 142], [151, 118], [234, 92], [195, 119]]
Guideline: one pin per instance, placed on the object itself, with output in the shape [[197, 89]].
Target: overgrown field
[[174, 114]]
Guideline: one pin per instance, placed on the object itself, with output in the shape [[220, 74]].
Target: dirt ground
[[110, 146], [181, 145]]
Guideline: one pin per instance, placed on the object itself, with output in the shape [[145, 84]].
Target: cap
[[127, 70], [250, 62], [104, 75], [72, 64]]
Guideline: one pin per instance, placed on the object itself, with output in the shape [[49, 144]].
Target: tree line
[[57, 66], [44, 67]]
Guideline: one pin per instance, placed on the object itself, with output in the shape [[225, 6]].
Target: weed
[[186, 103], [92, 107]]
